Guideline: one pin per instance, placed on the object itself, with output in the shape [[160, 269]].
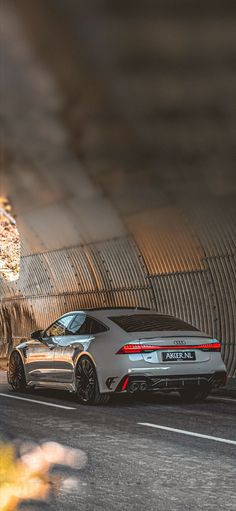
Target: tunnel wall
[[115, 273]]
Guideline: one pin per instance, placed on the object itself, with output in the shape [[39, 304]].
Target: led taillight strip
[[128, 349]]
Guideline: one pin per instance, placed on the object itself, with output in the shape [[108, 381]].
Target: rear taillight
[[214, 346], [129, 349]]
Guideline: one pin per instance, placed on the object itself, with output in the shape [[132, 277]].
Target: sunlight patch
[[9, 242]]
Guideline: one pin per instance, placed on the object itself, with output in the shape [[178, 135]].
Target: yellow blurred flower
[[27, 476], [19, 481]]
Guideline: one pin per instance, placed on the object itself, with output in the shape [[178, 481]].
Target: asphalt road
[[126, 464]]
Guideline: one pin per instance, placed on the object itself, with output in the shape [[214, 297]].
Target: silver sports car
[[97, 352]]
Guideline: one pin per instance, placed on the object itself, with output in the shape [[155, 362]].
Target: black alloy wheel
[[87, 389], [16, 374]]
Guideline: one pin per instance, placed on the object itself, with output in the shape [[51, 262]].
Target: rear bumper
[[138, 383]]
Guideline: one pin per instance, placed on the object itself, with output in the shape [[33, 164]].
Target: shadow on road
[[116, 400]]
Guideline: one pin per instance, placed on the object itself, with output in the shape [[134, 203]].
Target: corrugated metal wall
[[115, 273]]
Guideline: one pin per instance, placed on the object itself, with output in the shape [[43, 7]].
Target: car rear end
[[163, 353]]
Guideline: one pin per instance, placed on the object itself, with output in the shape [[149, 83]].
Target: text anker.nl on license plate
[[182, 356]]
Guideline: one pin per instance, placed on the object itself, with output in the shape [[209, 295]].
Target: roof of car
[[107, 311]]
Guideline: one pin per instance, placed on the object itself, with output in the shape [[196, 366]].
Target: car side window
[[86, 325], [60, 327], [77, 323], [97, 327]]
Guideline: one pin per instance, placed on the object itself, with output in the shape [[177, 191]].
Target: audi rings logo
[[180, 342]]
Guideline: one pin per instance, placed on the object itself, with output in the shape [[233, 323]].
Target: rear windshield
[[151, 322]]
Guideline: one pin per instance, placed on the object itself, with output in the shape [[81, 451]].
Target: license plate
[[182, 356]]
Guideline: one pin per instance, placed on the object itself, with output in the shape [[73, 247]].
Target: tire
[[194, 395], [87, 389], [16, 373]]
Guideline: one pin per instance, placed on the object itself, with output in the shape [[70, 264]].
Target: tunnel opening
[[9, 242]]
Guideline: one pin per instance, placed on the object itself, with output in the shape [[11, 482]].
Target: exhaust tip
[[137, 386], [143, 386], [133, 387]]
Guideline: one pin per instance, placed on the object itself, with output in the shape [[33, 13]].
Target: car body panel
[[51, 362]]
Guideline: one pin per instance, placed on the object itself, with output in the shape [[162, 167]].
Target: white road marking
[[38, 402], [226, 399], [190, 433]]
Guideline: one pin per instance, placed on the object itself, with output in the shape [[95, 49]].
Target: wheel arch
[[84, 354]]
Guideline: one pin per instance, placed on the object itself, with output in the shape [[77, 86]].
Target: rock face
[[9, 243], [121, 167]]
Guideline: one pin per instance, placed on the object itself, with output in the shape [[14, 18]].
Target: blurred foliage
[[26, 474], [19, 481]]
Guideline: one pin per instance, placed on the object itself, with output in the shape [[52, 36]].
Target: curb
[[3, 377], [228, 391]]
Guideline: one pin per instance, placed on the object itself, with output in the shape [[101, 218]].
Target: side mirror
[[37, 335]]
